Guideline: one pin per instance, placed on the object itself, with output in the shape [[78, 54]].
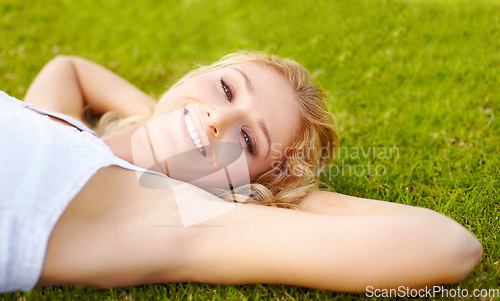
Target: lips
[[193, 134]]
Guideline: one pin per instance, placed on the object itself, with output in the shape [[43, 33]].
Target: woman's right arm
[[69, 84]]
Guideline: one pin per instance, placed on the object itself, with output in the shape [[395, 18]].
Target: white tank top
[[43, 165]]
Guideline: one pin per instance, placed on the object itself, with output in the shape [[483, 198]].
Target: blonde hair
[[313, 147]]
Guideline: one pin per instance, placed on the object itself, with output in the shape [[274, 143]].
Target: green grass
[[419, 76]]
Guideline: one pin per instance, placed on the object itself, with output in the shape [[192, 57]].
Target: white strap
[[74, 122], [124, 164]]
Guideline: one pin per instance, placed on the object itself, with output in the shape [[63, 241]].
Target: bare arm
[[69, 84], [381, 246]]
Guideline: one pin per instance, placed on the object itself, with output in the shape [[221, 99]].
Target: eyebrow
[[264, 129], [261, 122], [247, 80]]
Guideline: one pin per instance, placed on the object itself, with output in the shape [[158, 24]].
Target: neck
[[120, 142]]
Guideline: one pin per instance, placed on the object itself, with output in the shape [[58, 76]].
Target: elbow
[[65, 59], [62, 57], [471, 254], [61, 62], [463, 252]]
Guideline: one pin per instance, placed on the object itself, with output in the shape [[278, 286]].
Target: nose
[[220, 120]]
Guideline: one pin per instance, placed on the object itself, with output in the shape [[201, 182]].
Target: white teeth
[[192, 133]]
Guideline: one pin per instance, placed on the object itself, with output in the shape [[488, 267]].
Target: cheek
[[191, 91], [260, 168]]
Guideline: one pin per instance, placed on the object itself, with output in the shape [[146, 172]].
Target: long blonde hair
[[313, 147]]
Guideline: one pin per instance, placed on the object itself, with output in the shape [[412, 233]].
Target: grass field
[[413, 85]]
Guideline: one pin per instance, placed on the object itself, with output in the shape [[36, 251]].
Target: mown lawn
[[413, 85]]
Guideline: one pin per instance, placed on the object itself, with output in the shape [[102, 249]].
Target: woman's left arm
[[374, 244], [69, 84]]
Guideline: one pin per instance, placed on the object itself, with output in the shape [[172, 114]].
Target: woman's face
[[244, 111]]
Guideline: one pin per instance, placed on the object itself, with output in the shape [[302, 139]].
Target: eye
[[227, 90], [249, 142]]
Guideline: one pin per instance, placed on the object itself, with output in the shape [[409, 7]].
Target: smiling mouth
[[192, 133]]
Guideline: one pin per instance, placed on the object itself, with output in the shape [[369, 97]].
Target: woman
[[123, 225]]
